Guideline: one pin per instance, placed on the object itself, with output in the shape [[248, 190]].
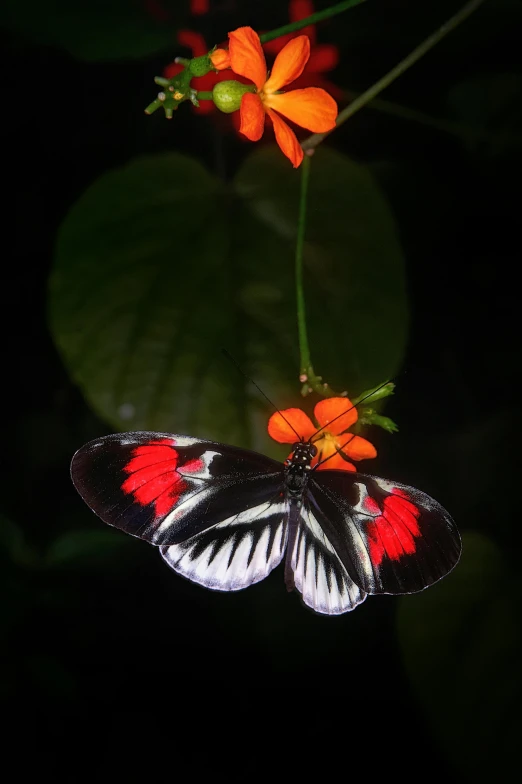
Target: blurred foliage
[[159, 265], [462, 647], [490, 104], [92, 29]]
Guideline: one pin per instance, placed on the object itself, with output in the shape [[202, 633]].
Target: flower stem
[[400, 68], [413, 115], [304, 349], [307, 376], [317, 17], [205, 95]]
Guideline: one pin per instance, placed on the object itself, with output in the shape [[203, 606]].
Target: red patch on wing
[[193, 466], [371, 506], [153, 476], [393, 533]]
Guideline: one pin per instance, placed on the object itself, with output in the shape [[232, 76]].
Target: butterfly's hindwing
[[166, 488], [318, 573], [391, 538], [240, 551]]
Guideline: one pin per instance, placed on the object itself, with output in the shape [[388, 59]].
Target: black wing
[[167, 488], [390, 538]]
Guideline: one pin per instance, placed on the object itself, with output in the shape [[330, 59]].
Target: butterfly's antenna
[[231, 358], [349, 409]]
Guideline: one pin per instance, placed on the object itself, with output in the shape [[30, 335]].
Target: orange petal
[[336, 462], [329, 413], [290, 425], [289, 64], [246, 55], [358, 448], [252, 117], [311, 107], [287, 140], [220, 59]]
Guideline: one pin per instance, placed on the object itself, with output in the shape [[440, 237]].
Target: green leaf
[[90, 29], [159, 265], [86, 548], [354, 273], [462, 647]]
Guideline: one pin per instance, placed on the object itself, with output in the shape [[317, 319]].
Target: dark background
[[109, 651]]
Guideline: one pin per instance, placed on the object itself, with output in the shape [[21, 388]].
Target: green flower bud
[[199, 66], [227, 95]]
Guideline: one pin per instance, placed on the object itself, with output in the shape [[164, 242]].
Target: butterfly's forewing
[[391, 538], [166, 488], [318, 572]]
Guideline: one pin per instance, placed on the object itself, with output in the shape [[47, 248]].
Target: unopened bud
[[200, 66], [227, 95], [220, 59]]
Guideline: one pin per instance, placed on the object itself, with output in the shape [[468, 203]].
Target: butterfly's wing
[[217, 512], [317, 571], [390, 538], [237, 552], [170, 489]]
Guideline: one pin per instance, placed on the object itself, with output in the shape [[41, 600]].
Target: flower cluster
[[335, 446], [310, 107], [255, 95]]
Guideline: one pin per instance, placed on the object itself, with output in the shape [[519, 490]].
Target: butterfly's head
[[303, 454]]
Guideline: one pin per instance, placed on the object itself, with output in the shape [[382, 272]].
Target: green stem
[[317, 17], [307, 376], [304, 349], [400, 68], [205, 95], [413, 115]]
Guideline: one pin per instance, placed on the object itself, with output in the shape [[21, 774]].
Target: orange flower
[[334, 416], [311, 107]]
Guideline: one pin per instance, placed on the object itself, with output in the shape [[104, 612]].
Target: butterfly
[[224, 517]]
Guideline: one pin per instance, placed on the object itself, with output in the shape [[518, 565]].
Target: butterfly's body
[[297, 473], [224, 517], [297, 469]]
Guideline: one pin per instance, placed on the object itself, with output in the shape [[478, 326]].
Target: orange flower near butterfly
[[311, 107], [335, 445]]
